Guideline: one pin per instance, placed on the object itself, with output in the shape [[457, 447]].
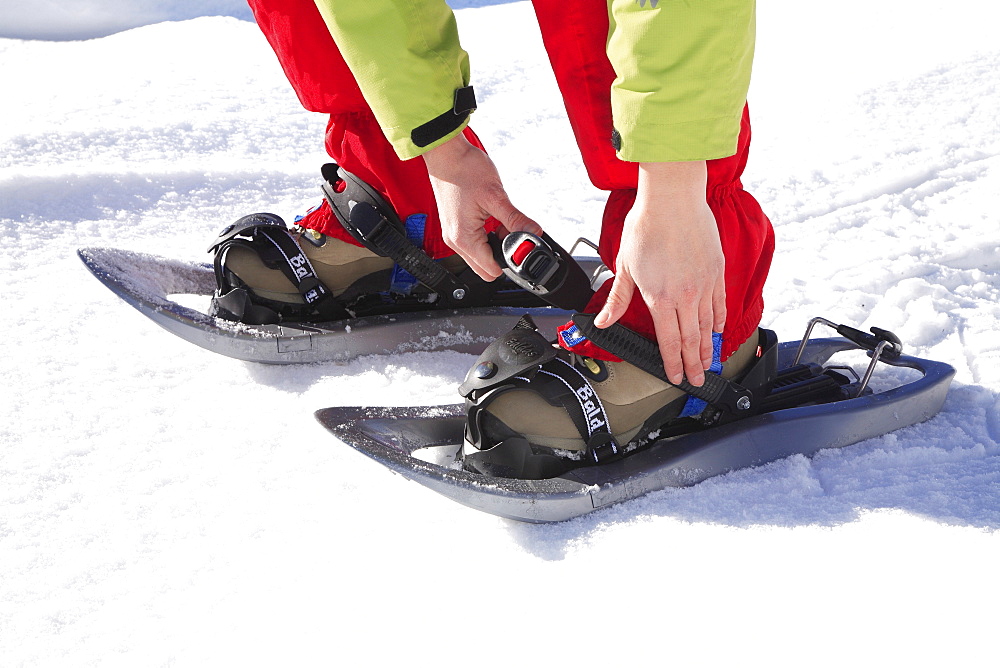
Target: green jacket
[[683, 70]]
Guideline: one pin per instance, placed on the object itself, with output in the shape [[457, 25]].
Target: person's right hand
[[468, 190]]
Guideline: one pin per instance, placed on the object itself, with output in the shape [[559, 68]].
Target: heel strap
[[365, 214]]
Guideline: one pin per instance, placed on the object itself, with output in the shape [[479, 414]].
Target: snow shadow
[[946, 469], [431, 378], [97, 197]]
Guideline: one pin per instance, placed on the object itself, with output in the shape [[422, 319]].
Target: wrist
[[672, 183], [448, 152]]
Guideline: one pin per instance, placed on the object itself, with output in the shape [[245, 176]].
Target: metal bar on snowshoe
[[892, 349], [881, 343], [876, 357]]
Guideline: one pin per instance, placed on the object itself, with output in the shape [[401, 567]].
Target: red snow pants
[[575, 35]]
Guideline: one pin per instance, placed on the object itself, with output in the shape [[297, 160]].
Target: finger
[[511, 217], [719, 305], [475, 250], [706, 322], [668, 338], [691, 351], [622, 289], [479, 257]]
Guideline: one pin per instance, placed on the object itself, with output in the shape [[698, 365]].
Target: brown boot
[[338, 264], [548, 415], [267, 273]]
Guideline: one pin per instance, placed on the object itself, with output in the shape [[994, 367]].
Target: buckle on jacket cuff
[[463, 105]]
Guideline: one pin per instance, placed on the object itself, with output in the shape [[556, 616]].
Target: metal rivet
[[486, 370], [743, 403], [459, 293]]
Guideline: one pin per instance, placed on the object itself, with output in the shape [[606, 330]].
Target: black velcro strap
[[297, 267], [587, 412], [365, 214], [616, 140], [465, 101], [643, 353], [428, 133]]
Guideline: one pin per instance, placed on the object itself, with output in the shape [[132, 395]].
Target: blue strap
[[695, 406], [402, 280]]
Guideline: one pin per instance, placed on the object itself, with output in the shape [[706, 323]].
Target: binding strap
[[270, 238], [719, 393], [587, 413], [375, 225]]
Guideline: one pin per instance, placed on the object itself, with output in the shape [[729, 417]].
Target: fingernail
[[697, 380], [601, 319]]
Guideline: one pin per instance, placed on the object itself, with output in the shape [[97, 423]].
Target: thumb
[[617, 302], [511, 217]]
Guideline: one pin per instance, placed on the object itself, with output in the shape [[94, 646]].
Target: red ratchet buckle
[[528, 260]]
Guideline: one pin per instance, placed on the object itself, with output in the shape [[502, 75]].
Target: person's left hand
[[671, 252]]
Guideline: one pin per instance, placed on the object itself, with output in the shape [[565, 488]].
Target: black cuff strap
[[449, 121]]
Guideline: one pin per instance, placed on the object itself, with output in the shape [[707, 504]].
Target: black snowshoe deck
[[391, 436], [151, 284]]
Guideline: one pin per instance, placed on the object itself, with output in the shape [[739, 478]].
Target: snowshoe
[[789, 400], [278, 295]]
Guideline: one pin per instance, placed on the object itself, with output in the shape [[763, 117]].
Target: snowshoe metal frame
[[150, 283], [392, 436]]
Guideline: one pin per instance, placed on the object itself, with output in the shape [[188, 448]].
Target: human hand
[[468, 190], [671, 252]]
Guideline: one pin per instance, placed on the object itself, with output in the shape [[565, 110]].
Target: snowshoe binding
[[536, 411], [267, 273]]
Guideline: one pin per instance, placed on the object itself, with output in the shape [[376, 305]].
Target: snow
[[161, 505]]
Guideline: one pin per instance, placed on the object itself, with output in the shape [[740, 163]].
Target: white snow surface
[[162, 505]]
